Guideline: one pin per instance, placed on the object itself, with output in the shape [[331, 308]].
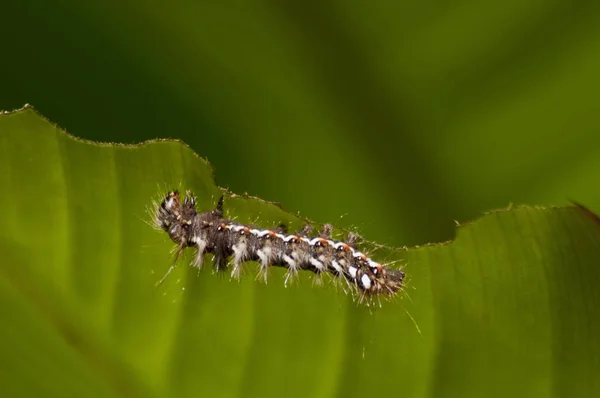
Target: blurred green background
[[391, 117]]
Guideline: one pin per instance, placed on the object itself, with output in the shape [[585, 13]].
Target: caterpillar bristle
[[326, 231], [305, 231], [282, 229], [233, 244]]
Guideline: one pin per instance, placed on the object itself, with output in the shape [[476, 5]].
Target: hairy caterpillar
[[211, 233]]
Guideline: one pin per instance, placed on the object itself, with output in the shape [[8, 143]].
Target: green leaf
[[507, 308]]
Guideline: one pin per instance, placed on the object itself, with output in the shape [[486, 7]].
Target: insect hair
[[234, 244]]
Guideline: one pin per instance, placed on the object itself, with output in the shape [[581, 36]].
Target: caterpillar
[[236, 243]]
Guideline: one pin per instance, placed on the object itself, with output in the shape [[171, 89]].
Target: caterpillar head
[[176, 217], [394, 279], [381, 280]]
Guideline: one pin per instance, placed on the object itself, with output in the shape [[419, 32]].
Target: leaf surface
[[508, 307]]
